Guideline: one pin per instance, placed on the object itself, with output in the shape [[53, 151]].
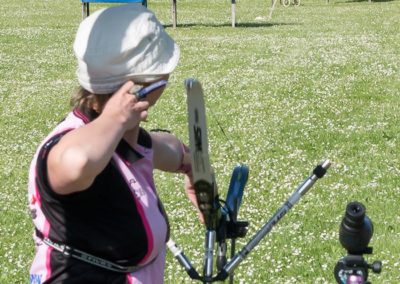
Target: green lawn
[[319, 81]]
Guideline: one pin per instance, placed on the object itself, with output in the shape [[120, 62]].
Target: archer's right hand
[[124, 108]]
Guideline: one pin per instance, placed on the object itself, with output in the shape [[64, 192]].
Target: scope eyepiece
[[356, 229], [355, 214]]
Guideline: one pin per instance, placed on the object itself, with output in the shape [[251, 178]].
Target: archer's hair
[[85, 100]]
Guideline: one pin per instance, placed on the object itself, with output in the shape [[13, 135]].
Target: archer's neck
[[131, 136]]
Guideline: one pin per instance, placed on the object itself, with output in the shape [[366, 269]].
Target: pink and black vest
[[118, 218]]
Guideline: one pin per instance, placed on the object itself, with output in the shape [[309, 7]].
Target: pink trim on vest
[[149, 234], [143, 217], [48, 264], [41, 264], [152, 273], [129, 279], [80, 115], [45, 231]]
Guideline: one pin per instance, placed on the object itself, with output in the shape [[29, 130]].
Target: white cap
[[122, 43]]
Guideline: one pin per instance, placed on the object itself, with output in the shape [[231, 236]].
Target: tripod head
[[356, 230]]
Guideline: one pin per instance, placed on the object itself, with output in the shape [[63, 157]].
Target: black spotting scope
[[356, 230]]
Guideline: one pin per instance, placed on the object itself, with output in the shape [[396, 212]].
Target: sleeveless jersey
[[118, 218]]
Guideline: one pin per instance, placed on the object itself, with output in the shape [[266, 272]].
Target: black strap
[[89, 258]]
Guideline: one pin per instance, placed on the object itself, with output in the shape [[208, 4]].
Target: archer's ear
[[97, 102], [95, 106]]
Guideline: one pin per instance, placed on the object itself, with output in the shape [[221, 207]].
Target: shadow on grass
[[238, 25]]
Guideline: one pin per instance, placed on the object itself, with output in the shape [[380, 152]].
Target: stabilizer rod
[[317, 173]]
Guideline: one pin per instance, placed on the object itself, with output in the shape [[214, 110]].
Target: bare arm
[[170, 155], [83, 153], [168, 152]]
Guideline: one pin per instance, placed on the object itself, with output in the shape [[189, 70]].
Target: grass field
[[319, 81]]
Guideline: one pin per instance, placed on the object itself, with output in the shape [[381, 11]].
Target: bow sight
[[221, 221]]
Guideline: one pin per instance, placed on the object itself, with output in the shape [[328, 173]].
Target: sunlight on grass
[[315, 82]]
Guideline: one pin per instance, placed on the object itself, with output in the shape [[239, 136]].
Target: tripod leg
[[272, 9]]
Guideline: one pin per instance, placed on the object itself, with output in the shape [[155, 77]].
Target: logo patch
[[35, 279]]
